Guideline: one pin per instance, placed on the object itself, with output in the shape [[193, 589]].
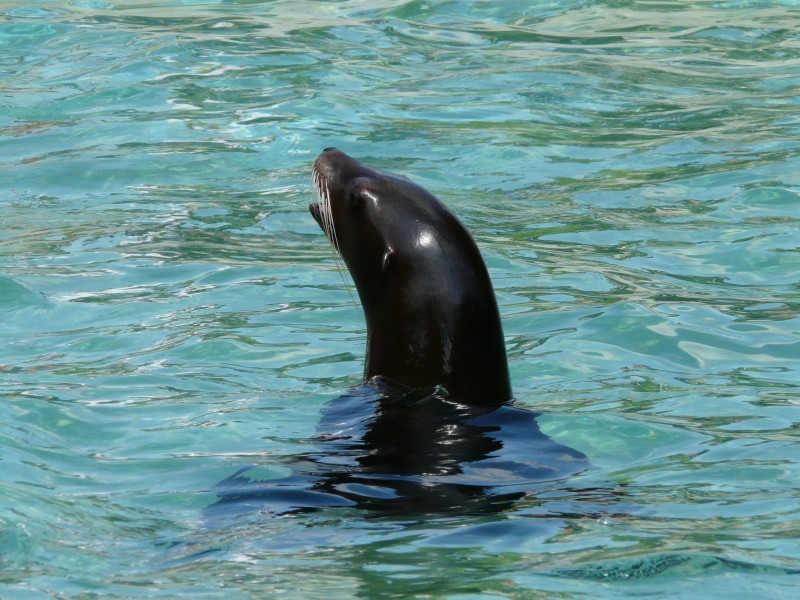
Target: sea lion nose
[[328, 149]]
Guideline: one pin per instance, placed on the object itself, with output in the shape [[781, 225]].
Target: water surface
[[170, 312]]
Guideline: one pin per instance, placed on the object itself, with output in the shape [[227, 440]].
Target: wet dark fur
[[431, 313]]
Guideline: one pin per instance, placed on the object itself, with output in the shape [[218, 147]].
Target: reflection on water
[[395, 451]]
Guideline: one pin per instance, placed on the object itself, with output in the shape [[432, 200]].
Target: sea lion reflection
[[391, 449]]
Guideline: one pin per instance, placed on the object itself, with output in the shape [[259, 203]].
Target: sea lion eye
[[355, 201], [359, 194], [356, 196]]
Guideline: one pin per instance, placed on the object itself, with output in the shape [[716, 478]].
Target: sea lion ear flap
[[388, 258]]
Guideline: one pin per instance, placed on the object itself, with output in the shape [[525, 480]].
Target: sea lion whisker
[[337, 258], [326, 217]]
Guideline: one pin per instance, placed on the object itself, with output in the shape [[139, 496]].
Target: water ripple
[[171, 311]]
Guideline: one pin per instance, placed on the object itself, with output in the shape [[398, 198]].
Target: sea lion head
[[372, 218]]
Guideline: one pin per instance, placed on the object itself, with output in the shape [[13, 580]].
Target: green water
[[170, 312]]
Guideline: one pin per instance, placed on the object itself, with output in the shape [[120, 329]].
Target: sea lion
[[431, 429], [431, 312]]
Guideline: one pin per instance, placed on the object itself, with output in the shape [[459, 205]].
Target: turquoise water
[[172, 313]]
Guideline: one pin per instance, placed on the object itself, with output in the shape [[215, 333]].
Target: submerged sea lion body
[[431, 313], [393, 450]]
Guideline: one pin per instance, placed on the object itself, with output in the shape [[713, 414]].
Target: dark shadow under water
[[395, 450]]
